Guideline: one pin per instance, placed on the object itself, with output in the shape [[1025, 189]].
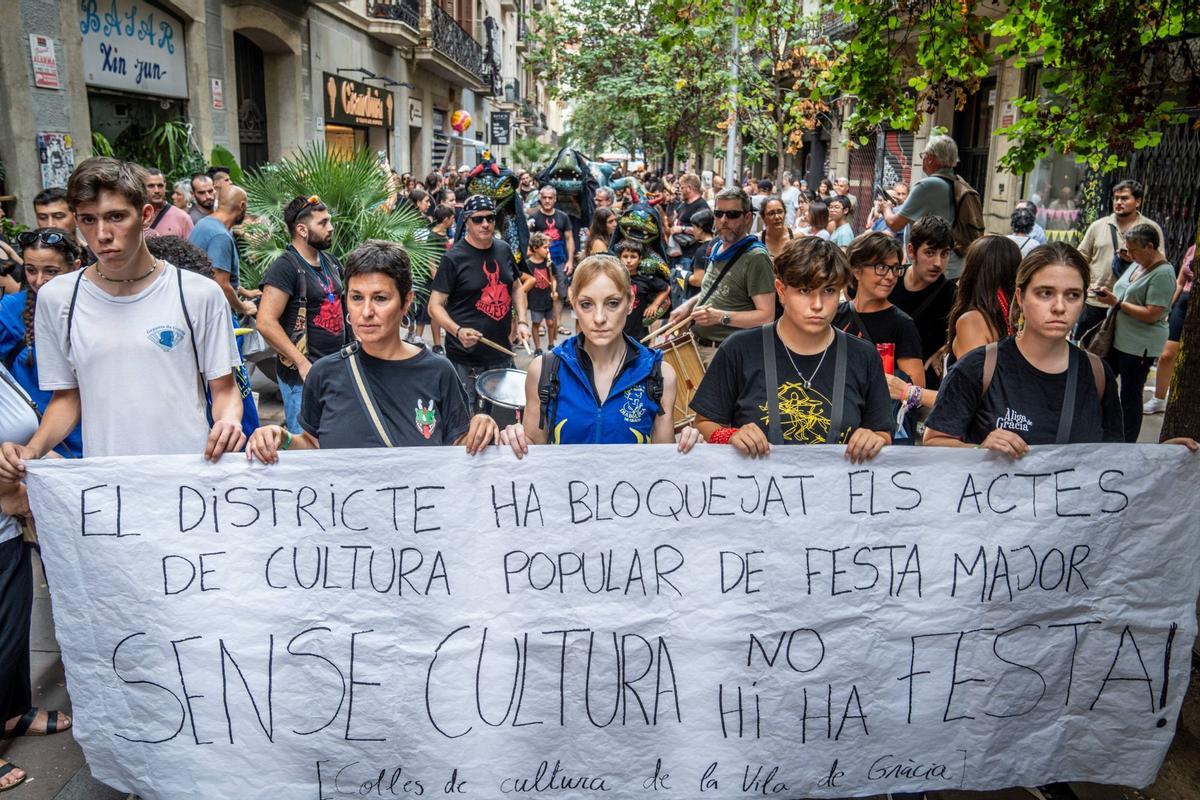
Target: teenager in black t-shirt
[[732, 403], [417, 395], [473, 295], [1033, 374], [923, 292]]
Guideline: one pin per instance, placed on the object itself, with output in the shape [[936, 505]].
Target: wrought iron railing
[[406, 11], [453, 41]]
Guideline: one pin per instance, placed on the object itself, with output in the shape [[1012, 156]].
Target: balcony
[[522, 43], [450, 52], [396, 22]]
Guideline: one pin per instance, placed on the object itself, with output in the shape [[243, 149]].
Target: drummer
[[778, 384], [417, 396], [600, 386]]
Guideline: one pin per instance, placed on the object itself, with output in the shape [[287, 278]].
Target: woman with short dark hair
[[1141, 300], [415, 397]]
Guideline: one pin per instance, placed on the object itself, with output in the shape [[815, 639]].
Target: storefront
[[135, 66], [358, 115]]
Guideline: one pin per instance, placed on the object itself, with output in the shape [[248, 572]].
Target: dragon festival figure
[[576, 178], [499, 183]]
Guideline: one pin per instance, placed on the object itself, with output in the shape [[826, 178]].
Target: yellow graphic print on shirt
[[802, 414]]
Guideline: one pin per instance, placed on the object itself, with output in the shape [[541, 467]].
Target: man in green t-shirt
[[738, 290]]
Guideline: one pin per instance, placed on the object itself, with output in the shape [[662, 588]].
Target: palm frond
[[354, 187]]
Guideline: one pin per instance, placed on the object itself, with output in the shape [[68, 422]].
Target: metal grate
[[1169, 174], [451, 39]]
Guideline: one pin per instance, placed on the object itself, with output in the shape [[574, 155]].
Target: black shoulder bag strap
[[1112, 232], [951, 184], [774, 431], [839, 387], [724, 271], [1068, 409], [367, 400], [162, 212], [925, 304], [300, 264], [862, 328]]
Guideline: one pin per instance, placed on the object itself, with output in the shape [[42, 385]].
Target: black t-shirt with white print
[[326, 317], [733, 392], [478, 285], [1024, 400]]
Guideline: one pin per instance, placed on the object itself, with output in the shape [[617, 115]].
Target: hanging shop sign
[[501, 127], [132, 46], [349, 102]]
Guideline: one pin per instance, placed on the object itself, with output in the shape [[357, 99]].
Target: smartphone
[[881, 193]]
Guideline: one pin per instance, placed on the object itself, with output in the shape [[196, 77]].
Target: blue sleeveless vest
[[625, 417]]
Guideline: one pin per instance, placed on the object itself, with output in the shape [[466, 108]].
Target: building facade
[[264, 78]]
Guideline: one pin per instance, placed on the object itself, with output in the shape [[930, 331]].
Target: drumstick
[[667, 331], [528, 347], [494, 346]]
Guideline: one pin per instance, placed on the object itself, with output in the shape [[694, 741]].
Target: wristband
[[721, 435], [287, 438]]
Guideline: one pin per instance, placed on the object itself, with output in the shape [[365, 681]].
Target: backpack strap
[[71, 307], [839, 386], [950, 184], [862, 327], [774, 431], [162, 212], [1097, 373], [1068, 407], [654, 386], [548, 390], [187, 318], [989, 366]]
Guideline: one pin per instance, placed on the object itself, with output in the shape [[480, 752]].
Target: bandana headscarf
[[478, 202]]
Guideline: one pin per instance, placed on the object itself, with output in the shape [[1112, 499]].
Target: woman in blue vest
[[48, 253], [599, 386]]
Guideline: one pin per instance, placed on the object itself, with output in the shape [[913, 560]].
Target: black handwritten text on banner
[[622, 621]]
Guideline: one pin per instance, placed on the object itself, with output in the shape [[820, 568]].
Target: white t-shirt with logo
[[131, 359]]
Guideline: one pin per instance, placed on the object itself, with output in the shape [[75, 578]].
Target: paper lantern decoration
[[460, 120]]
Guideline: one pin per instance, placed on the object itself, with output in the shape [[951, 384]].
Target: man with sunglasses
[[738, 290], [473, 295]]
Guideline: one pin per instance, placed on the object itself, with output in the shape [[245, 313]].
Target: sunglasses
[[730, 214], [26, 238], [313, 200], [883, 269], [482, 219]]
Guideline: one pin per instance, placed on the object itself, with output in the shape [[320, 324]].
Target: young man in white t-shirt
[[124, 343]]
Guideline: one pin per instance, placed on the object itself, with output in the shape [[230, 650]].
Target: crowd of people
[[118, 331]]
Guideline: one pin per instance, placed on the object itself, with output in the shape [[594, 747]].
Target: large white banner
[[623, 621]]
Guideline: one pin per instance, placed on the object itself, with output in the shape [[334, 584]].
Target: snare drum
[[682, 353], [504, 389]]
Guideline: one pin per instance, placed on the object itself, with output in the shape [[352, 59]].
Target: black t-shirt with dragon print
[[478, 285]]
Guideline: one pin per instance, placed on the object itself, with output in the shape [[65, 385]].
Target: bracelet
[[913, 397], [287, 437], [721, 435]]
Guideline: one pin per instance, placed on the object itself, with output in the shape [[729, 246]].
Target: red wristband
[[722, 435]]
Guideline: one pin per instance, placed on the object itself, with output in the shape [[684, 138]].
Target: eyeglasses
[[483, 219], [779, 212], [26, 238], [883, 269], [719, 214]]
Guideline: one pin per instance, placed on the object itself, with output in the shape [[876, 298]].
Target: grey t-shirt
[[750, 275], [933, 196], [421, 400]]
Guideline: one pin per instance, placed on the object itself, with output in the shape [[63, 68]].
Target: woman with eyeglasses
[[753, 401], [48, 253], [775, 233], [876, 267]]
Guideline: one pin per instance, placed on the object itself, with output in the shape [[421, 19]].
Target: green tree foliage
[[1104, 87], [168, 146], [355, 188], [606, 57], [528, 153]]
